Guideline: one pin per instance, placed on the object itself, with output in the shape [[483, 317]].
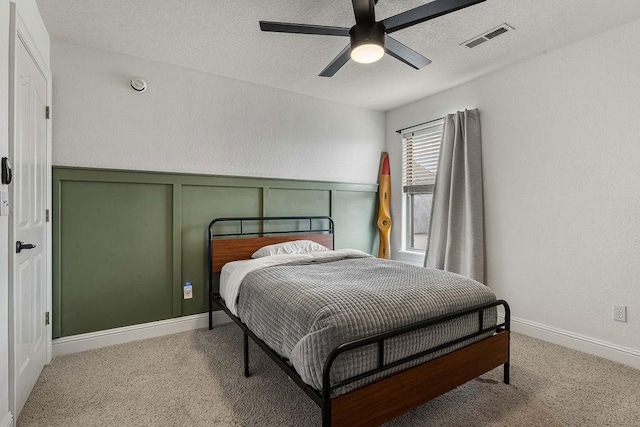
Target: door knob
[[20, 246]]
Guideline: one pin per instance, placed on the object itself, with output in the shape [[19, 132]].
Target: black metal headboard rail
[[264, 219]]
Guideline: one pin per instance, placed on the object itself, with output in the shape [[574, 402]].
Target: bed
[[364, 365]]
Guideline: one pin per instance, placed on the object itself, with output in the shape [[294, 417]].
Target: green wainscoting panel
[[355, 218], [199, 206], [115, 255], [294, 202], [125, 242]]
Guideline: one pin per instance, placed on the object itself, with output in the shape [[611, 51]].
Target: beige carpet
[[195, 379]]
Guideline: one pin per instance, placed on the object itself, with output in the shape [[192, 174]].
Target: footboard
[[391, 397], [396, 394]]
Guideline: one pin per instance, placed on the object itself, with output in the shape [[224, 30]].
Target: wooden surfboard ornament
[[384, 209]]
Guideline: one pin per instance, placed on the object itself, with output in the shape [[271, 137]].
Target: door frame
[[19, 33]]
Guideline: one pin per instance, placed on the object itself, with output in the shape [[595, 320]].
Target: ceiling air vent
[[491, 34]]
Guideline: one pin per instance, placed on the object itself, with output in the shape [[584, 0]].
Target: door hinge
[[46, 215], [47, 112], [46, 318]]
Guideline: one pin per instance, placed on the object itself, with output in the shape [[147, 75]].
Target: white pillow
[[294, 247]]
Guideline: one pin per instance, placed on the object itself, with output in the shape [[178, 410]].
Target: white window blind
[[420, 153]]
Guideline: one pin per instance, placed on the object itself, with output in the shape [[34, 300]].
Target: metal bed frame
[[323, 397]]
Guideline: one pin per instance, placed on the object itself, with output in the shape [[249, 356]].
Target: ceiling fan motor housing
[[367, 33]]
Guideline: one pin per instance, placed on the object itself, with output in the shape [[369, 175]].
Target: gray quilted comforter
[[304, 311]]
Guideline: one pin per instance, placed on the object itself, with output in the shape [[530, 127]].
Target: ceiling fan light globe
[[367, 53]]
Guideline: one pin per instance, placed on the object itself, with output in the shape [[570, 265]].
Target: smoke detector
[[138, 84], [489, 35]]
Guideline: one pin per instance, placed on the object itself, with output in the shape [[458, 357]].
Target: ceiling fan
[[370, 38]]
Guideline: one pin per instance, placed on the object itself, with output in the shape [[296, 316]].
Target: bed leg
[[506, 373], [210, 314], [245, 345], [326, 413]]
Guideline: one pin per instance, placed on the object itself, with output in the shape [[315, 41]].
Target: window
[[420, 152]]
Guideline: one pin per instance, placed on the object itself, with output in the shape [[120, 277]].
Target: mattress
[[304, 306]]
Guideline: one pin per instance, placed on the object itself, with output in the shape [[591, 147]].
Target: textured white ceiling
[[223, 37]]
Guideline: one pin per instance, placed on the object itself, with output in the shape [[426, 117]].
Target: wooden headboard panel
[[227, 250]]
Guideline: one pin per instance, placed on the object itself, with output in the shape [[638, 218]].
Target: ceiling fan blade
[[337, 63], [364, 11], [322, 30], [425, 12], [402, 53]]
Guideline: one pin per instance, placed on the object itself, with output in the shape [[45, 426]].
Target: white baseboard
[[94, 340], [604, 349], [7, 420]]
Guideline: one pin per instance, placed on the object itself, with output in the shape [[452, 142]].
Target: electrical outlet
[[620, 313], [188, 291]]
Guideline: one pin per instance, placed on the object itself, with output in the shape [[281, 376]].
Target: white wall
[[561, 153], [188, 121], [4, 232]]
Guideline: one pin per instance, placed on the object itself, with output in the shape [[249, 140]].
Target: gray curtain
[[456, 232]]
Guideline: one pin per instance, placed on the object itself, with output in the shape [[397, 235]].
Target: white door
[[29, 158]]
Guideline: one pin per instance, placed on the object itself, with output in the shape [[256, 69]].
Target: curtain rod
[[419, 124]]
